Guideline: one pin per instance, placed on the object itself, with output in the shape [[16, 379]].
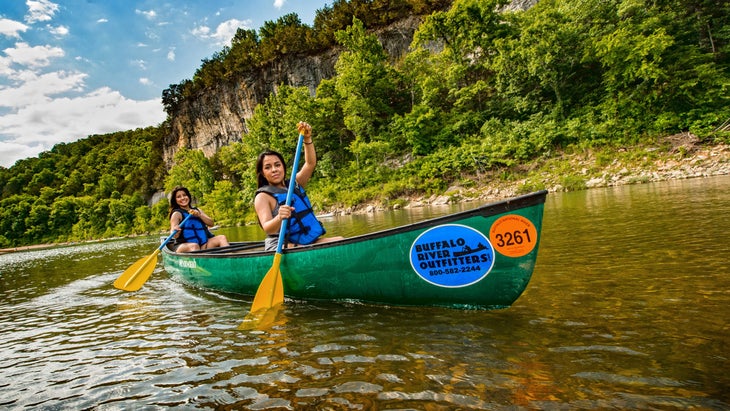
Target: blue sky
[[73, 68]]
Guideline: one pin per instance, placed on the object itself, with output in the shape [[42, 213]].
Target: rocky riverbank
[[680, 156]]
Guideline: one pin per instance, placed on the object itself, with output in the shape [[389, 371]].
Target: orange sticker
[[513, 235]]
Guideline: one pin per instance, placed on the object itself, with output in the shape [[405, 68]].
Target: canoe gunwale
[[503, 206]]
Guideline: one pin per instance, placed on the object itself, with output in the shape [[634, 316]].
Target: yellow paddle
[[137, 274], [271, 289]]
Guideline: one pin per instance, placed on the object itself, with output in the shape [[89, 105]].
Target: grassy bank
[[674, 157]]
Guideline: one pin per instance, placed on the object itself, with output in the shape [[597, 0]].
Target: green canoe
[[477, 259]]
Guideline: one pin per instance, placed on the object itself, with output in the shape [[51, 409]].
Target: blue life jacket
[[193, 231], [303, 227]]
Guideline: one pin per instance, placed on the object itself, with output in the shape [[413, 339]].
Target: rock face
[[217, 116]]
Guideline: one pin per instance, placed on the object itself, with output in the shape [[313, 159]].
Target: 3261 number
[[513, 238]]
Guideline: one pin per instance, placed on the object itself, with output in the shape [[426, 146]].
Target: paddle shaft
[[292, 184]]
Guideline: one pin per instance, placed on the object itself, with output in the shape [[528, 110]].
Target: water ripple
[[627, 310]]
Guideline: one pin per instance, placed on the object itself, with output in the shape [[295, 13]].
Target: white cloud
[[201, 31], [38, 89], [102, 20], [38, 127], [12, 152], [223, 33], [11, 28], [171, 54], [145, 81], [140, 63], [226, 30], [59, 31], [40, 10], [149, 14], [279, 3], [42, 106], [5, 69], [151, 34], [25, 55]]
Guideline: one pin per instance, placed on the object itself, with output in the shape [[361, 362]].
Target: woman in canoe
[[193, 235], [303, 227]]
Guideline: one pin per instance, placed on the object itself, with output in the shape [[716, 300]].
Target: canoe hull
[[477, 259]]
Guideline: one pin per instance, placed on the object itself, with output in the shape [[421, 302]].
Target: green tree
[[82, 228], [15, 216], [331, 133], [419, 129], [143, 220], [122, 214], [466, 30], [73, 184], [285, 35], [98, 217], [161, 215], [366, 83], [43, 178], [651, 70], [37, 223], [245, 53], [107, 185], [63, 216], [173, 96], [274, 123], [191, 169], [221, 204], [456, 84]]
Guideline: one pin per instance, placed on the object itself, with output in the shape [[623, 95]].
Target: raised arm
[[310, 156]]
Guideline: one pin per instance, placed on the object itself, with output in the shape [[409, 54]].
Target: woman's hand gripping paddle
[[271, 289], [134, 277]]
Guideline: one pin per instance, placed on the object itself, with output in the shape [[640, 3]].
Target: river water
[[628, 308]]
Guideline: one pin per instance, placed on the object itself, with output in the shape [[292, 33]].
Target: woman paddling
[[270, 201], [194, 234]]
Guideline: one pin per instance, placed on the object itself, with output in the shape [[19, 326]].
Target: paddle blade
[[137, 274], [261, 319], [271, 290]]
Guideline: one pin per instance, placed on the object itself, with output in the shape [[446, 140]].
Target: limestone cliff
[[217, 116]]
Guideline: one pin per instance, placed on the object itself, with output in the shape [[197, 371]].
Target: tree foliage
[[366, 85], [80, 190]]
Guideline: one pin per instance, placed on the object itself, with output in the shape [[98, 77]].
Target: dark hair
[[173, 201], [260, 166]]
